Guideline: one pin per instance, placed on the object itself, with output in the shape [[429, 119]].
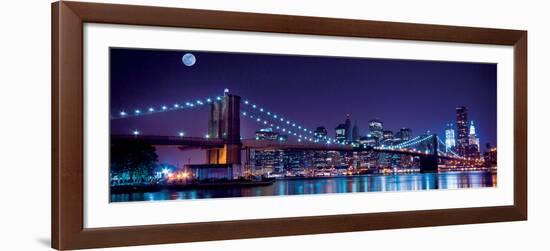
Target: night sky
[[311, 90]]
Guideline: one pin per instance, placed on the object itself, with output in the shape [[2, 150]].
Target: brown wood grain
[[67, 125]]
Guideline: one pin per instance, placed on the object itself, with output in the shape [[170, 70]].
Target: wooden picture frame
[[67, 230]]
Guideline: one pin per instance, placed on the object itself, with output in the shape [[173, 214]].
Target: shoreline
[[123, 189]]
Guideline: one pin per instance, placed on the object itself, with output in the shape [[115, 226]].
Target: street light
[[181, 134], [135, 132]]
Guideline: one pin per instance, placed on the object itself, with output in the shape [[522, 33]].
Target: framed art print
[[178, 125]]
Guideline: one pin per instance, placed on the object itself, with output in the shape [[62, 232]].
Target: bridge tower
[[224, 123], [429, 163]]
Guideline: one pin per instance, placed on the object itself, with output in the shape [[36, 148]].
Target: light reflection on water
[[349, 184]]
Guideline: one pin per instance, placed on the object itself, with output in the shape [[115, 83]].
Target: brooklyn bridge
[[224, 145]]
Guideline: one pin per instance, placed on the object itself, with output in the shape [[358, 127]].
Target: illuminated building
[[462, 129], [404, 134], [368, 140], [296, 160], [344, 132], [387, 137], [355, 132], [490, 156], [472, 148], [340, 133], [267, 134], [471, 151], [473, 140], [266, 161], [347, 124], [320, 133], [211, 171], [320, 159], [376, 128], [450, 138]]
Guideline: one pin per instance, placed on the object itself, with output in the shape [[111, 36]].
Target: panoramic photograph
[[188, 125]]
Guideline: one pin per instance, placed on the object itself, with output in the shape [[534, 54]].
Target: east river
[[341, 184]]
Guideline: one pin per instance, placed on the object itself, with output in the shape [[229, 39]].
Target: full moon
[[188, 59]]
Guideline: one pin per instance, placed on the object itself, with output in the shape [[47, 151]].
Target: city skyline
[[388, 90]]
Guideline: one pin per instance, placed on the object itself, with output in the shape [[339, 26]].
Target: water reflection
[[367, 183]]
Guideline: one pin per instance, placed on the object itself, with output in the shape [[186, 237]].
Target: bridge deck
[[172, 140], [265, 144], [198, 142]]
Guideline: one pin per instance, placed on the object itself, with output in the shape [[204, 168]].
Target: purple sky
[[313, 91]]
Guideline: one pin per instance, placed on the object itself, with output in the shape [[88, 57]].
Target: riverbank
[[377, 174], [329, 185], [201, 185]]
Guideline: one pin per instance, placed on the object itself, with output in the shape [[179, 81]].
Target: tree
[[132, 159]]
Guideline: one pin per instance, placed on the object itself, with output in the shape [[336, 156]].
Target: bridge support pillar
[[224, 123], [429, 164]]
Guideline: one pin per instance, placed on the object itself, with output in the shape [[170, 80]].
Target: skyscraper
[[340, 133], [473, 139], [376, 129], [344, 132], [450, 138], [347, 124], [462, 129], [355, 132], [404, 134], [320, 134], [387, 137]]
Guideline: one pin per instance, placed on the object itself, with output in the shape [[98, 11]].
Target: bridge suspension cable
[[447, 150], [280, 123], [414, 141], [165, 108]]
